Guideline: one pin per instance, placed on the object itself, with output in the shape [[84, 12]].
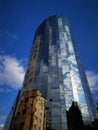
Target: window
[[39, 128], [26, 77], [35, 51], [36, 46], [34, 56], [18, 113], [21, 126], [21, 101], [28, 71], [41, 114], [34, 126], [40, 121], [25, 84], [32, 96], [26, 100], [35, 117], [29, 80], [24, 111], [31, 73], [14, 129], [22, 94]]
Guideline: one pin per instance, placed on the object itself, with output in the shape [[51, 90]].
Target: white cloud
[[11, 71], [1, 126], [92, 78], [2, 120]]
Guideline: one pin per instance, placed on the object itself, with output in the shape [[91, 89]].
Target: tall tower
[[55, 69]]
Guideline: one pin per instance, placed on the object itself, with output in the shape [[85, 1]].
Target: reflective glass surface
[[58, 72]]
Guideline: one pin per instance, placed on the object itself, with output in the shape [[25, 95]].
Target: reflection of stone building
[[31, 113], [11, 114], [55, 69]]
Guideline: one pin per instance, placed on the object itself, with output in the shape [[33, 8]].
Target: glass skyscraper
[[55, 69]]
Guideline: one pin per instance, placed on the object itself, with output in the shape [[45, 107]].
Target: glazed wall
[[57, 72]]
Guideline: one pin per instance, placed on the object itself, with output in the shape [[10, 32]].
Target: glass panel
[[55, 112], [56, 119]]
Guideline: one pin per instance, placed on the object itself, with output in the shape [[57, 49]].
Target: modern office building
[[55, 69]]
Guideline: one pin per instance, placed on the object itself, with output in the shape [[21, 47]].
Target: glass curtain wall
[[55, 69]]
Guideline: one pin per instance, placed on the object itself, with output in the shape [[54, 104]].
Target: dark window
[[25, 84], [35, 117], [41, 114], [31, 73], [14, 129], [28, 71], [24, 111], [18, 113], [34, 126], [21, 101], [34, 56], [29, 80], [36, 46], [32, 96], [26, 77], [39, 128], [22, 94], [21, 126], [35, 51], [26, 100]]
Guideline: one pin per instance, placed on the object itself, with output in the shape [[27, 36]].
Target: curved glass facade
[[55, 69]]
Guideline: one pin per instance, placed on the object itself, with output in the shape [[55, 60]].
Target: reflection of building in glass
[[11, 114], [48, 118], [74, 117], [55, 69], [30, 113]]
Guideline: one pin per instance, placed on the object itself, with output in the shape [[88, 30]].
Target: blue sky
[[18, 22]]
